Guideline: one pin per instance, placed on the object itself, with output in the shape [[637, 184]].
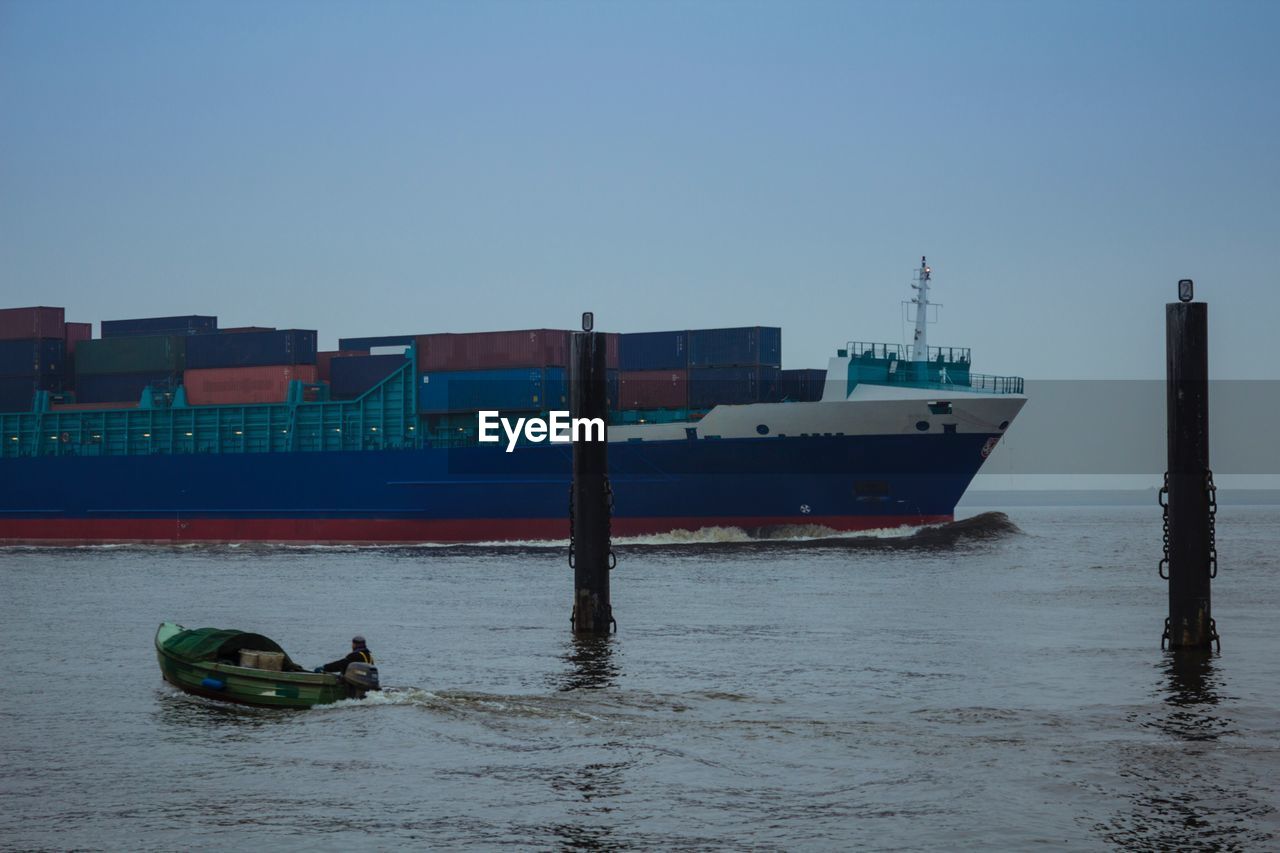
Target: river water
[[997, 684]]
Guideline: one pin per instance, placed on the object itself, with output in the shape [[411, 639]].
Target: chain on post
[[1212, 491], [571, 514], [1163, 497], [608, 520]]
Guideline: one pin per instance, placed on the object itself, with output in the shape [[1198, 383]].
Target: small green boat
[[212, 662]]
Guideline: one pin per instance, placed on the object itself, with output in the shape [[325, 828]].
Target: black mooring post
[[1190, 551], [590, 498]]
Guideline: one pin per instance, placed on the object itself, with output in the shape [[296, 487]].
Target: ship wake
[[983, 527]]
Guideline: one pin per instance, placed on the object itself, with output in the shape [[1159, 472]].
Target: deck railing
[[995, 384], [946, 368], [906, 352]]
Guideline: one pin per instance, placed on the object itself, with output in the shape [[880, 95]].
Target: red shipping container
[[654, 389], [74, 333], [22, 323], [493, 350], [323, 359], [239, 385]]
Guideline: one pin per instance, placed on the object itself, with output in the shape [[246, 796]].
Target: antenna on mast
[[920, 344]]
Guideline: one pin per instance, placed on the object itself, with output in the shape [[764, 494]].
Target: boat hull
[[246, 686]]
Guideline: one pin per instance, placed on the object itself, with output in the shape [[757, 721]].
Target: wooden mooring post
[[1188, 496], [591, 499]]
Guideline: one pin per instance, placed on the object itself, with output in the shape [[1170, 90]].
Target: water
[[989, 685]]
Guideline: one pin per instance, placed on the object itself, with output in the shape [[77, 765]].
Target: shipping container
[[17, 392], [240, 330], [32, 357], [193, 324], [323, 360], [252, 349], [351, 377], [653, 351], [613, 388], [141, 354], [378, 341], [509, 390], [738, 347], [654, 389], [30, 323], [244, 385], [493, 350], [74, 333], [455, 425], [800, 386], [121, 387], [712, 386]]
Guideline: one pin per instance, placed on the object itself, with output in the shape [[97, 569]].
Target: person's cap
[[357, 640]]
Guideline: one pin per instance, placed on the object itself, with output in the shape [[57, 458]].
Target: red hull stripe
[[55, 531]]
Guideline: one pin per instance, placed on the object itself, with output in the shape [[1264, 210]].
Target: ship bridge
[[908, 366]]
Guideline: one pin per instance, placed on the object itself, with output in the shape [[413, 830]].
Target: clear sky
[[368, 168]]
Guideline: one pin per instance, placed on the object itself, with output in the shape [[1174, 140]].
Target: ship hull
[[842, 482]]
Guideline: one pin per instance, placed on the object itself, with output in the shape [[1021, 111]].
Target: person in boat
[[359, 654]]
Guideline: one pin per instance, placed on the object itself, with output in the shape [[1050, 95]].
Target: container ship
[[171, 429]]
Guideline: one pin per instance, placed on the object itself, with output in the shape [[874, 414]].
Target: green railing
[[947, 368], [972, 382], [995, 384], [383, 418], [904, 352]]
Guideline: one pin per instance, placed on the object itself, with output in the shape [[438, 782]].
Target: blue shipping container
[[16, 392], [801, 386], [120, 387], [653, 351], [735, 347], [252, 349], [351, 376], [521, 389], [370, 343], [613, 388], [192, 324], [32, 357], [712, 386]]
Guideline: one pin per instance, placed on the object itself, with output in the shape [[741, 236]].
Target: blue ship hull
[[482, 493]]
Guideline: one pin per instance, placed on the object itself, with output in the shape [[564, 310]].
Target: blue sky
[[412, 167]]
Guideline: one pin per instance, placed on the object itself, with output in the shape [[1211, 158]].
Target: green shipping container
[[142, 354]]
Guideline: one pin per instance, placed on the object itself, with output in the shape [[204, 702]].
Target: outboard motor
[[360, 678]]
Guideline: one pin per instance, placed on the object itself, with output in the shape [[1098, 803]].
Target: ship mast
[[920, 346]]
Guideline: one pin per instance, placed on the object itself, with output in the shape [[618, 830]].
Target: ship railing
[[979, 382], [906, 352], [995, 384]]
